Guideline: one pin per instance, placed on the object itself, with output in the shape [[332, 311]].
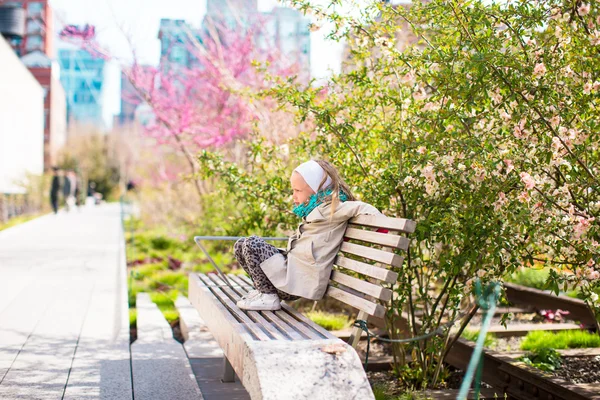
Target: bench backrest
[[371, 264]]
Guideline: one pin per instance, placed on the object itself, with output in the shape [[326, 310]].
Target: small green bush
[[545, 359], [162, 300], [560, 340], [161, 243], [530, 277], [147, 270], [380, 393], [331, 322], [171, 315], [132, 317], [473, 335]]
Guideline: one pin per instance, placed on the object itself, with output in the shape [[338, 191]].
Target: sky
[[115, 20]]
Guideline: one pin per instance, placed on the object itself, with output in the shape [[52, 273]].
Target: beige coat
[[311, 250]]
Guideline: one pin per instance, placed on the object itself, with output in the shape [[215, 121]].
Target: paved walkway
[[64, 326]]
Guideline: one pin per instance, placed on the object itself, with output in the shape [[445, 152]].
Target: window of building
[[35, 9], [33, 26], [33, 42]]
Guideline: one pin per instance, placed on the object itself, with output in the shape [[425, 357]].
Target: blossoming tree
[[477, 119]]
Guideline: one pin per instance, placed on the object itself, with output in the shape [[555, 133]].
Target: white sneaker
[[261, 302], [250, 294]]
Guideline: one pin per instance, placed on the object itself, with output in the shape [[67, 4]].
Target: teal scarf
[[314, 201]]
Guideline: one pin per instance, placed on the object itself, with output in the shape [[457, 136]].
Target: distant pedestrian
[[70, 189], [55, 189]]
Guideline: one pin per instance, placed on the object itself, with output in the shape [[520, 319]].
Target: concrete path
[[64, 325], [161, 369], [206, 357]]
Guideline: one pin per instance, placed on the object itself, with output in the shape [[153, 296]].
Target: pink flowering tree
[[211, 102], [477, 119]]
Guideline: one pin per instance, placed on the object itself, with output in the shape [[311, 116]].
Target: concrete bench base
[[278, 355]]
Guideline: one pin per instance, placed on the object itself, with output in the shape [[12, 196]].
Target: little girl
[[325, 203]]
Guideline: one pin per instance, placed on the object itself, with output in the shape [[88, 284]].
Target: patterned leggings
[[250, 252]]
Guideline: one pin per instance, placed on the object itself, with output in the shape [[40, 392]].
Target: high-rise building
[[39, 27], [231, 11], [288, 31], [83, 78], [174, 36]]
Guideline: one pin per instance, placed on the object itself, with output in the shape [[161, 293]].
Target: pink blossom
[[524, 197], [592, 274], [583, 225], [583, 10], [509, 166], [555, 121], [430, 106], [519, 130], [527, 180], [421, 150], [408, 77], [428, 172], [595, 37], [505, 116], [587, 88], [419, 95], [539, 69], [502, 200]]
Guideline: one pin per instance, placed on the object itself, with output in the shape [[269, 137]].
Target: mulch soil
[[394, 387], [579, 369]]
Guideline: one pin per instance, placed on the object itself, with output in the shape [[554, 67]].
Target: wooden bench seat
[[283, 354]]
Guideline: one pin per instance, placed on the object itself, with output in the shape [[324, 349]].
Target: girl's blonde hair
[[337, 184]]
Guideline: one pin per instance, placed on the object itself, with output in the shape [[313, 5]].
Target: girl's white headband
[[313, 174]]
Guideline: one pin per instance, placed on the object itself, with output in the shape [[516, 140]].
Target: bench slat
[[268, 315], [381, 221], [234, 310], [373, 254], [300, 327], [256, 317], [356, 302], [372, 271], [376, 291], [295, 315], [383, 239]]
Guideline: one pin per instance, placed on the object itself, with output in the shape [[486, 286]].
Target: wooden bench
[[284, 355]]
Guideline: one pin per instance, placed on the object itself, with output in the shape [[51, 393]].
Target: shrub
[[545, 359], [560, 340], [530, 277], [473, 335], [331, 322]]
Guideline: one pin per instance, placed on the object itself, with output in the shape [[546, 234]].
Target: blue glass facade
[[82, 77]]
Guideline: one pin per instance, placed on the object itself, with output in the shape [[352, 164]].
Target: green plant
[[132, 317], [473, 335], [380, 393], [561, 340], [530, 277], [545, 359], [171, 315], [329, 321]]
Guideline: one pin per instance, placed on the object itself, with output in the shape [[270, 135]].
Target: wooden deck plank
[[257, 318], [372, 271], [234, 310], [300, 318], [382, 239], [270, 316]]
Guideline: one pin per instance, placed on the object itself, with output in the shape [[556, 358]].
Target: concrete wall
[[21, 121]]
